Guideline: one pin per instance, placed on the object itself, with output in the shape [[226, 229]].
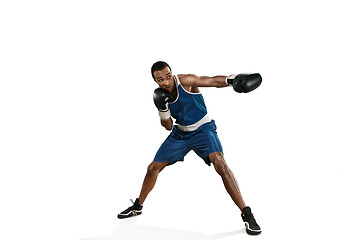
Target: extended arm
[[242, 83], [192, 80]]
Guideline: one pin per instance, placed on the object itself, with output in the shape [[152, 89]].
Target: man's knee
[[217, 159], [156, 167]]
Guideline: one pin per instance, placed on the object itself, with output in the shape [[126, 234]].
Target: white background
[[78, 125]]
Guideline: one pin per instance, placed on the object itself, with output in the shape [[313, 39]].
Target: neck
[[173, 92]]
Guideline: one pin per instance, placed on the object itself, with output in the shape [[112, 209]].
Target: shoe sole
[[251, 231], [130, 214]]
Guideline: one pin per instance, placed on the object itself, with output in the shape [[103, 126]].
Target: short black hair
[[159, 65]]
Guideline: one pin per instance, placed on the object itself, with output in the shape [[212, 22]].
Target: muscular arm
[[192, 80]]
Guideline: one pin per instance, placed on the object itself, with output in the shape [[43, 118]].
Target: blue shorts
[[203, 141]]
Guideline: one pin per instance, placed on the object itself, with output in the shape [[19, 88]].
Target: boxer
[[178, 98]]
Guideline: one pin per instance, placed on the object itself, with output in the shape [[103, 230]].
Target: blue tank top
[[188, 108]]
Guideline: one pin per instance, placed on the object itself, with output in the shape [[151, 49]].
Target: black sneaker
[[252, 227], [134, 210]]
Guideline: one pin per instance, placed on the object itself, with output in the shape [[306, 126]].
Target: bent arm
[[167, 124]]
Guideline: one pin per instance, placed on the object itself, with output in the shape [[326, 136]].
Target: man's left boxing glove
[[161, 99], [244, 83]]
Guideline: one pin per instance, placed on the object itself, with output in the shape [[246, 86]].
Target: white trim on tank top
[[196, 125]]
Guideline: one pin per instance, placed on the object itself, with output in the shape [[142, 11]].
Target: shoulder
[[187, 79]]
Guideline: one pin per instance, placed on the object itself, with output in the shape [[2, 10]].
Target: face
[[164, 79]]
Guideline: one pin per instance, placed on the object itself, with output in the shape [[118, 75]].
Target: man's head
[[161, 72], [160, 65]]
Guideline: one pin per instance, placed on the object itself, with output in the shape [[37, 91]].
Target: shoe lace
[[131, 207], [250, 219]]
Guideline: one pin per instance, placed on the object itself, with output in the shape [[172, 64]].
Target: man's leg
[[217, 159], [153, 171], [150, 178]]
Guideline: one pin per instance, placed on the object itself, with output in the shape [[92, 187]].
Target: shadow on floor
[[129, 230]]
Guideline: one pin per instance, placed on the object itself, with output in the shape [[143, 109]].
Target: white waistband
[[196, 125]]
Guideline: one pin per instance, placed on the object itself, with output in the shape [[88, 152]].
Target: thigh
[[172, 150], [206, 142]]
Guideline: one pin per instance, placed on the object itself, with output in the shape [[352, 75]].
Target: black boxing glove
[[244, 83], [161, 99]]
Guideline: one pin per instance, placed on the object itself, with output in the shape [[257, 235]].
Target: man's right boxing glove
[[244, 83], [161, 99]]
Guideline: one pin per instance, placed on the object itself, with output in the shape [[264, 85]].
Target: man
[[179, 97]]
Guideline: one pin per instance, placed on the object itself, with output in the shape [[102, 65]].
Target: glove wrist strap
[[229, 80], [164, 115]]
